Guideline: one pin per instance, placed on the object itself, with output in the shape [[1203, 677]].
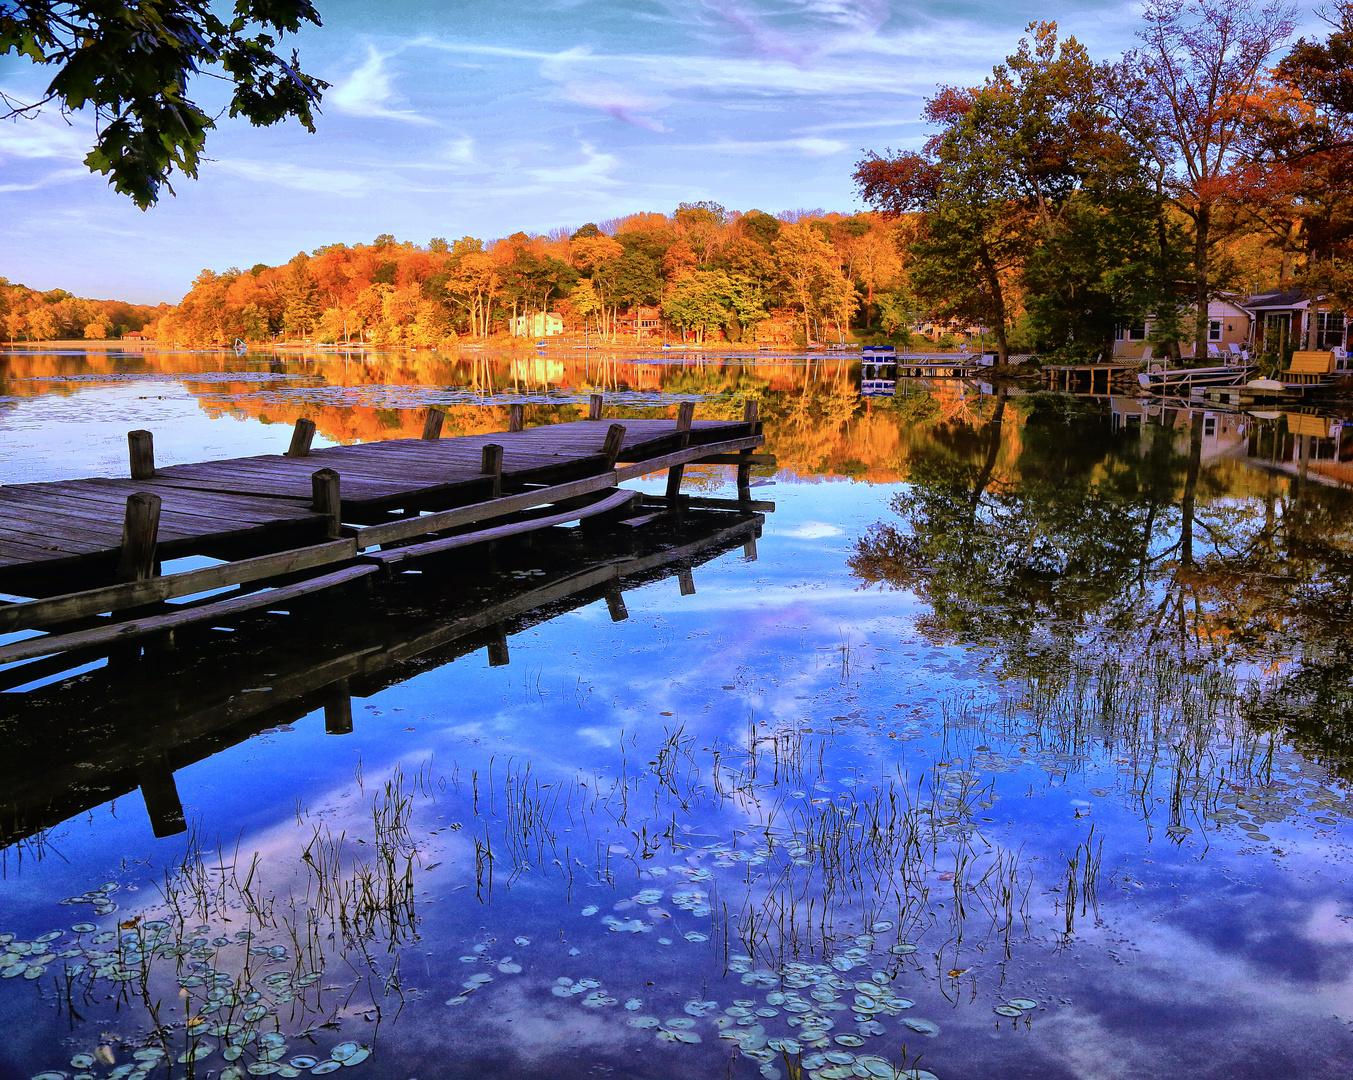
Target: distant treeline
[[29, 315], [702, 269]]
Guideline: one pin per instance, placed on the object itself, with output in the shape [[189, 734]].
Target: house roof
[[1289, 299]]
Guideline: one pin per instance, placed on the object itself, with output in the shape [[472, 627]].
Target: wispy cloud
[[367, 92], [47, 135], [300, 178], [615, 100], [807, 146], [593, 171]]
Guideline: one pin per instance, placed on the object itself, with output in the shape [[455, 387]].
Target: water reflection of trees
[[1086, 538]]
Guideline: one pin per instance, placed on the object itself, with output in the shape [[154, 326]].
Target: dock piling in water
[[685, 415], [516, 417], [326, 499], [594, 407], [301, 436], [492, 465], [141, 449], [140, 536], [432, 425], [610, 449]]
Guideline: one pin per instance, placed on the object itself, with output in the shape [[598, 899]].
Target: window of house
[[1209, 426], [1214, 330], [1134, 332], [1329, 329]]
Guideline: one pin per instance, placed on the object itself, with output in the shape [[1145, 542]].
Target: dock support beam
[[325, 495], [594, 407], [615, 604], [685, 414], [432, 425], [686, 581], [301, 437], [141, 450], [516, 417], [140, 535]]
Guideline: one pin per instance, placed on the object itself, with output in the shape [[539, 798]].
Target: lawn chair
[[1213, 349], [1146, 353]]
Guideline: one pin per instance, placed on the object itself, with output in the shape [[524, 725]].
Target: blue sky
[[453, 119]]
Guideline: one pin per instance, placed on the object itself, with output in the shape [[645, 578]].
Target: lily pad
[[1007, 1010], [1024, 1004]]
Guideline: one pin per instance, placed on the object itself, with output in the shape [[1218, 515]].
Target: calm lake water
[[1017, 745]]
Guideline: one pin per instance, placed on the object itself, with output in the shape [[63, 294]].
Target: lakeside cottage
[[1253, 323]]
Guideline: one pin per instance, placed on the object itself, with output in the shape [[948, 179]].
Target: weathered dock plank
[[208, 506]]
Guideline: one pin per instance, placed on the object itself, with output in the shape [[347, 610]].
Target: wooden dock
[[1093, 379], [288, 524]]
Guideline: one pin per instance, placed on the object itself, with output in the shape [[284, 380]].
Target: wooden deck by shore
[[75, 553]]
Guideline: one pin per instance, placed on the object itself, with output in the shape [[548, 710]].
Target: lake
[[1014, 742]]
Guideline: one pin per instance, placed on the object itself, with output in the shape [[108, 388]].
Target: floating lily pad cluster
[[232, 1018], [816, 1015]]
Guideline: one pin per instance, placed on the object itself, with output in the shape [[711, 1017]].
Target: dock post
[[594, 407], [432, 425], [491, 464], [615, 604], [301, 435], [685, 414], [516, 417], [749, 412], [141, 446], [610, 449], [140, 534], [338, 709], [326, 499], [687, 582], [749, 550], [158, 789]]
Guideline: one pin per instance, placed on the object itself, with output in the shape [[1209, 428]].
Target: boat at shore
[[1162, 379]]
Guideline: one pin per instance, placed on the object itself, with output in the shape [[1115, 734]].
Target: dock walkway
[[81, 550], [215, 502]]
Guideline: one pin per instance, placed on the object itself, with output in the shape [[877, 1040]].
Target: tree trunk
[[993, 279], [1201, 245], [1190, 487]]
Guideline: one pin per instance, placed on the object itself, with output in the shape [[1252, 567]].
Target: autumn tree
[[809, 274], [1301, 169], [1184, 97], [1017, 171]]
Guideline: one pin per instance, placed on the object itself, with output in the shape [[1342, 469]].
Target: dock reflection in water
[[1022, 749]]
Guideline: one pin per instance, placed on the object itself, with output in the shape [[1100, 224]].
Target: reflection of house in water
[[537, 371], [1302, 444]]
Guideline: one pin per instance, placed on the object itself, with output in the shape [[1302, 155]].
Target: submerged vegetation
[[819, 895]]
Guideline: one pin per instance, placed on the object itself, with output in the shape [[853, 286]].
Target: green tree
[[131, 63]]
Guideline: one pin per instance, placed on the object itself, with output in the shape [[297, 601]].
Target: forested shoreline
[[1059, 202]]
